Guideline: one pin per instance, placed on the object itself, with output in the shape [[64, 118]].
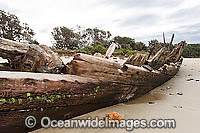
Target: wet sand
[[185, 108]]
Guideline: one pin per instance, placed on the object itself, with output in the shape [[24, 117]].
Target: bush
[[192, 51], [95, 49]]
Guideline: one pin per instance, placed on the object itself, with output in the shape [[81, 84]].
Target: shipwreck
[[36, 81]]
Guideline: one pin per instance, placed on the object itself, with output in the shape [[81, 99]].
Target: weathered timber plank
[[10, 49]]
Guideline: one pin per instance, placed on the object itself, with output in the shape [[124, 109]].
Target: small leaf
[[58, 96], [30, 98], [52, 97], [19, 100], [13, 99], [28, 94], [44, 98], [48, 101], [3, 100], [69, 95], [37, 98]]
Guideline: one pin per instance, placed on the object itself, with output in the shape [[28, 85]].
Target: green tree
[[94, 37], [140, 46], [10, 28], [125, 42], [154, 41], [192, 51], [27, 33], [65, 38], [101, 37]]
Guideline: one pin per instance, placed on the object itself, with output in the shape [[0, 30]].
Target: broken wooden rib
[[110, 50]]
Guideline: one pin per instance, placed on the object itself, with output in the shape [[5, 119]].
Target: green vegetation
[[11, 28], [69, 95], [94, 49], [96, 89], [19, 100], [58, 96], [3, 100], [30, 98], [192, 51], [28, 94], [37, 98], [90, 40]]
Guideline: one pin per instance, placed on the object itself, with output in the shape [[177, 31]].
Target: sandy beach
[[176, 99]]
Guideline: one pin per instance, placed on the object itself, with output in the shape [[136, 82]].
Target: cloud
[[147, 19], [143, 3], [186, 13], [4, 5], [190, 33], [141, 19]]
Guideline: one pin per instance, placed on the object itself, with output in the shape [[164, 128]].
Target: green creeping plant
[[3, 100], [52, 97], [68, 95], [19, 100], [58, 96], [30, 98], [28, 94], [48, 101], [44, 98], [96, 89], [37, 97], [11, 99]]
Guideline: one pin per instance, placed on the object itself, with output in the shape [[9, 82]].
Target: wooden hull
[[66, 96], [91, 83]]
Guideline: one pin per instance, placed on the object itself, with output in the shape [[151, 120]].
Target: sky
[[142, 20]]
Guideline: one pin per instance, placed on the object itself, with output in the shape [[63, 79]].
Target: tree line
[[78, 37]]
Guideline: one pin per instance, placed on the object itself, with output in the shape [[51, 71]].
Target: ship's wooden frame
[[92, 83]]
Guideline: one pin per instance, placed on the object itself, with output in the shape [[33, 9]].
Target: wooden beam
[[170, 44], [110, 50], [164, 39]]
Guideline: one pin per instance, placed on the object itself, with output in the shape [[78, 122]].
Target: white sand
[[185, 109]]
